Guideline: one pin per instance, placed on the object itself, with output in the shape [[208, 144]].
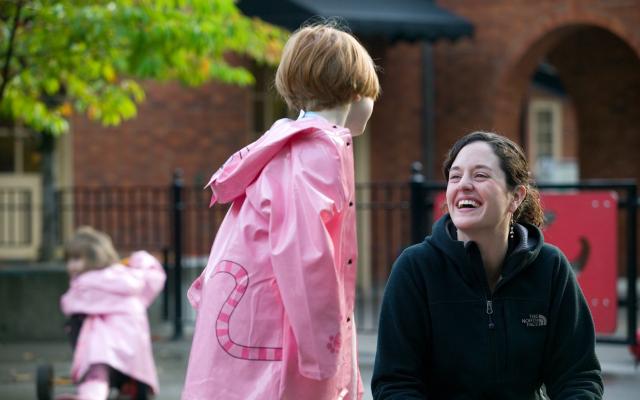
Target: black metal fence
[[384, 230], [141, 217], [175, 223]]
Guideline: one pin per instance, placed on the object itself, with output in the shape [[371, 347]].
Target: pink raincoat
[[275, 302], [116, 329]]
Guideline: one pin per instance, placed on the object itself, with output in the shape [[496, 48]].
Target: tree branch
[[12, 37]]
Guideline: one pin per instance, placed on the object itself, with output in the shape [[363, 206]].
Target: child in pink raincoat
[[111, 297], [275, 302]]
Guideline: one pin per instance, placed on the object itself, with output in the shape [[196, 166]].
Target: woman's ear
[[518, 197]]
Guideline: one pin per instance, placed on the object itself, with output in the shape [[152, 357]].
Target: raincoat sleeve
[[304, 195], [151, 273], [116, 289], [573, 368]]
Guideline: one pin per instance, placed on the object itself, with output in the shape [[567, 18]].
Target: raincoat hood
[[242, 168]]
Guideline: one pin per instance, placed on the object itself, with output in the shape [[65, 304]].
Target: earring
[[511, 234]]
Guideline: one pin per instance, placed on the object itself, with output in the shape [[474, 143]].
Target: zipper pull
[[490, 313]]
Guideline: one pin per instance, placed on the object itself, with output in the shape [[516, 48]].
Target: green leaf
[[93, 52], [51, 86]]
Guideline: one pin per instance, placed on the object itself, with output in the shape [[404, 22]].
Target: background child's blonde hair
[[95, 247], [323, 67]]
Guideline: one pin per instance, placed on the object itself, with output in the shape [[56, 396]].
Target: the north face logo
[[534, 320]]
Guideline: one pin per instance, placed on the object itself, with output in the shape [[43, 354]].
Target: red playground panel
[[584, 226]]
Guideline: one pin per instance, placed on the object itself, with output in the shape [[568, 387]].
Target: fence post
[[165, 292], [177, 207], [417, 206], [632, 298]]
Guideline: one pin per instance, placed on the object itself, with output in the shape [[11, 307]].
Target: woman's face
[[359, 113], [477, 194]]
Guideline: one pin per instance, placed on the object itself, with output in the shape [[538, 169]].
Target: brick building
[[582, 125], [592, 46]]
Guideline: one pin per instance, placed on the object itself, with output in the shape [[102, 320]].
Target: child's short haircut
[[324, 67], [93, 246]]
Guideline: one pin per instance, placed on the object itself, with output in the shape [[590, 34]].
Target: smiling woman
[[488, 182], [483, 308], [477, 195]]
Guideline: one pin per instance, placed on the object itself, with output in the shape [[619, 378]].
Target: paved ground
[[18, 362]]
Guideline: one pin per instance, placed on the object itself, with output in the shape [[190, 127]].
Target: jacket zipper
[[492, 337], [489, 311], [489, 299]]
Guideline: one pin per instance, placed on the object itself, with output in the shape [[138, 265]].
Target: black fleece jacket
[[444, 335]]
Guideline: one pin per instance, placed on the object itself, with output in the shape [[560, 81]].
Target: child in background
[[275, 302], [107, 305]]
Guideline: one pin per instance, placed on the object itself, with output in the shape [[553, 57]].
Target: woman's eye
[[454, 177], [482, 176]]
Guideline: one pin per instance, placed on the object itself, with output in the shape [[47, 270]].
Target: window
[[544, 133], [546, 154], [545, 129], [7, 153], [268, 106], [20, 194], [18, 151]]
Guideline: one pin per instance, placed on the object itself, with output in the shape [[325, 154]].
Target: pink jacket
[[275, 302], [116, 329]]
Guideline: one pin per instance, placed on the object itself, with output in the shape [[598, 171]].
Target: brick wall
[[480, 84], [396, 121], [195, 129], [595, 44], [605, 83]]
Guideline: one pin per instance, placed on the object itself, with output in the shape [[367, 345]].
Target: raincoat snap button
[[351, 204], [348, 143], [350, 261], [348, 319]]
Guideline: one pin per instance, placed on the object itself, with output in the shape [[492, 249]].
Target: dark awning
[[391, 19]]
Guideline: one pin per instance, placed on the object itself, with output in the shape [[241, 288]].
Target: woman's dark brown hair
[[515, 167]]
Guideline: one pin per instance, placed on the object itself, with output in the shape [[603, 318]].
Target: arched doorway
[[599, 71], [600, 74]]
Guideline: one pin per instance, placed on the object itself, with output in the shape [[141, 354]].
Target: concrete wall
[[30, 302]]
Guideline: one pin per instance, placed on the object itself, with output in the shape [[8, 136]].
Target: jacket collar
[[466, 258]]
